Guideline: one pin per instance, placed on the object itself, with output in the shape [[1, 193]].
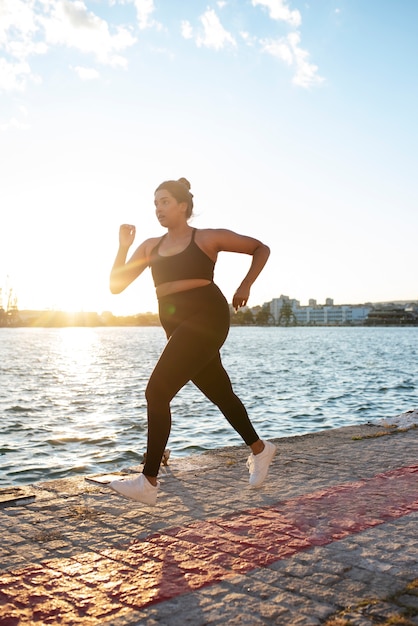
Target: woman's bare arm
[[124, 272], [223, 240]]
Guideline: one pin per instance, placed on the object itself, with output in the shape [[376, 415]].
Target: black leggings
[[196, 323]]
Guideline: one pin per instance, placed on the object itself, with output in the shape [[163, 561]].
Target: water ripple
[[72, 399]]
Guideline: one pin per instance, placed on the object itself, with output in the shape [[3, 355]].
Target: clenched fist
[[126, 235]]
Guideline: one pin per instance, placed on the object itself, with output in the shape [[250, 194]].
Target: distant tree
[[286, 316], [243, 317], [248, 317], [236, 318], [264, 317]]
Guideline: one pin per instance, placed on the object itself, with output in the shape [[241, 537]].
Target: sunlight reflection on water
[[72, 399]]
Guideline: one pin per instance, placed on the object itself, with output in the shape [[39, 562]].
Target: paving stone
[[335, 525]]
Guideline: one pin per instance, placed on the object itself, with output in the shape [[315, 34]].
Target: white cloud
[[279, 10], [306, 73], [144, 10], [24, 49], [278, 48], [16, 123], [287, 49], [249, 40], [186, 30], [71, 24], [18, 32], [215, 36], [86, 73], [32, 27], [17, 22], [13, 75], [13, 123]]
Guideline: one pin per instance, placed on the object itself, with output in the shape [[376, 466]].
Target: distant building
[[277, 304], [393, 314], [332, 315], [319, 315]]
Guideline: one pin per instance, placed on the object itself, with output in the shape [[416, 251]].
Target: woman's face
[[167, 209]]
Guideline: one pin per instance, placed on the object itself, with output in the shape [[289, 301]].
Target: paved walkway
[[332, 538]]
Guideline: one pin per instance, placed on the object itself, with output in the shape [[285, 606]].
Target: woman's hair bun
[[185, 182]]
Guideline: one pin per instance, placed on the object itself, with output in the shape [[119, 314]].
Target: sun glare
[[78, 346]]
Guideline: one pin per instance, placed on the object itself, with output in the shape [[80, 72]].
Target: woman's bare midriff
[[180, 285]]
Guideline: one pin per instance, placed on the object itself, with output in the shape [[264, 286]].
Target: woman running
[[195, 316]]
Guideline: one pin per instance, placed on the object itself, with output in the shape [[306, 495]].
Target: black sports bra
[[191, 262]]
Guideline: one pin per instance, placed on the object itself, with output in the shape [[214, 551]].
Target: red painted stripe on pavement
[[95, 586]]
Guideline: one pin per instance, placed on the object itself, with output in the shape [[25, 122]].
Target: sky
[[295, 122]]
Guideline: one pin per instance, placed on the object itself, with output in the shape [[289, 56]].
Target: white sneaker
[[258, 464], [138, 489]]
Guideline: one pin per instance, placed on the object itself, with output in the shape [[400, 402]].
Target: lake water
[[72, 399]]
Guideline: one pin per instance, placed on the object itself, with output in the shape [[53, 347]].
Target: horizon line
[[108, 312]]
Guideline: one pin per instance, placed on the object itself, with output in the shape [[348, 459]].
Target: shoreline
[[386, 427], [398, 423], [330, 535]]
